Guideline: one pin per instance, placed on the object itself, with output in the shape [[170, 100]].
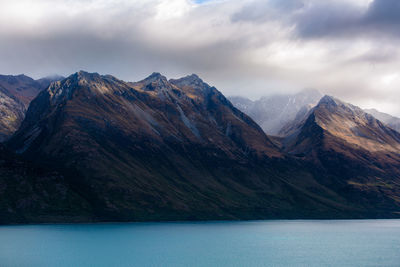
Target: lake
[[255, 243]]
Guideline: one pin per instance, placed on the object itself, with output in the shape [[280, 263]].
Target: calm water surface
[[261, 243]]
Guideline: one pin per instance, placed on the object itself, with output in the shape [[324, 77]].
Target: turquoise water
[[260, 243]]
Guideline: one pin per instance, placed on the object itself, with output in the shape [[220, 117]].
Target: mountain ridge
[[177, 149]]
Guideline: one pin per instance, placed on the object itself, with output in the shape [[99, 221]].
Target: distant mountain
[[390, 120], [358, 153], [274, 112], [46, 81], [22, 87], [16, 92]]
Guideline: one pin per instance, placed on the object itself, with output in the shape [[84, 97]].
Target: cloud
[[243, 47], [384, 12]]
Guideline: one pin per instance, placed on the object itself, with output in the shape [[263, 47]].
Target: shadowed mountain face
[[353, 146], [34, 194], [16, 92], [273, 113]]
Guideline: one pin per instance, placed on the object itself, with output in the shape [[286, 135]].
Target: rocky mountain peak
[[193, 81], [155, 82], [83, 76], [328, 100], [83, 82], [335, 105], [155, 77]]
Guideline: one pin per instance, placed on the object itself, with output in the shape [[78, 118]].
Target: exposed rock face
[[16, 92], [390, 120], [360, 151], [273, 113]]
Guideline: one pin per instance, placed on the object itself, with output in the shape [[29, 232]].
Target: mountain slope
[[16, 92], [34, 194], [359, 154], [12, 112], [21, 87], [274, 112]]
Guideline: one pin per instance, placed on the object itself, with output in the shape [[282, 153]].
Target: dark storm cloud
[[380, 18], [384, 12], [261, 11], [327, 19]]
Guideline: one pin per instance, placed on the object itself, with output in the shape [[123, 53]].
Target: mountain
[[358, 154], [274, 112], [177, 149], [390, 120], [163, 149], [16, 92], [22, 87]]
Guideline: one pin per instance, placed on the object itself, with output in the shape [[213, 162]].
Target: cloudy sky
[[346, 48]]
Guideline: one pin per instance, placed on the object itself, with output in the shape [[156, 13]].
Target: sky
[[345, 48]]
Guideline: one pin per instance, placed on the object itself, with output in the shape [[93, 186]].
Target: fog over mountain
[[274, 112], [250, 48]]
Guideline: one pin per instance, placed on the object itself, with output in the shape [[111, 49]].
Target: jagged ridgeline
[[163, 149]]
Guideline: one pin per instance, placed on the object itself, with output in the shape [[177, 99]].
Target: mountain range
[[95, 148]]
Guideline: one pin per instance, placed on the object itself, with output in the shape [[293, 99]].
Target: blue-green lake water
[[258, 243]]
